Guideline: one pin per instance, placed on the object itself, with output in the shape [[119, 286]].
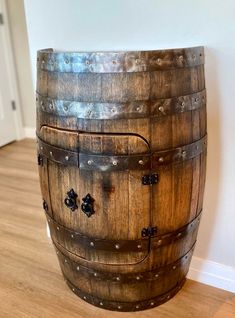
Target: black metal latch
[[70, 200], [149, 231], [150, 179], [88, 205]]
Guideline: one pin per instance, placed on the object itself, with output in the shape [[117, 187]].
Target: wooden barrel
[[122, 159]]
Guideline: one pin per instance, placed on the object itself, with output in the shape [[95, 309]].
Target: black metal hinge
[[40, 160], [149, 231], [150, 179], [45, 205]]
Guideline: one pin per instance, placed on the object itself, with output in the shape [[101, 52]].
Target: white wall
[[153, 24]]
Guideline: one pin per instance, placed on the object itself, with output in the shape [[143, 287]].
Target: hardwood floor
[[31, 284]]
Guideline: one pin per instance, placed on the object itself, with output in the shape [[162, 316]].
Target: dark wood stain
[[123, 205]]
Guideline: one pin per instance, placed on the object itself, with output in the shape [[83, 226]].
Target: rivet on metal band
[[126, 306], [116, 62], [62, 233], [100, 162], [129, 110], [115, 277]]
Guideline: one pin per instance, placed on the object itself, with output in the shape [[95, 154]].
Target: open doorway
[[16, 92]]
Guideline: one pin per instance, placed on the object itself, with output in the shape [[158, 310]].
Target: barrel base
[[126, 306]]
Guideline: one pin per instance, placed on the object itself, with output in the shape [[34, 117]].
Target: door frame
[[14, 88]]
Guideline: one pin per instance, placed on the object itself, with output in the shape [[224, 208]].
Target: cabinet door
[[108, 180]]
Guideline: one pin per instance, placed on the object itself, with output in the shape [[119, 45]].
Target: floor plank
[[31, 284]]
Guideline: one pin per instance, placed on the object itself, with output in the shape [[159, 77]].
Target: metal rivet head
[[92, 244], [141, 162], [89, 162], [118, 278], [119, 307], [66, 108], [101, 304], [159, 61], [179, 234], [95, 274], [161, 109], [72, 235], [117, 246], [137, 306], [67, 158], [139, 246], [58, 228], [57, 252], [138, 277], [183, 152], [73, 289], [174, 267], [182, 104], [41, 147], [65, 261], [159, 242], [197, 147], [115, 162], [139, 108], [84, 297], [137, 61], [161, 159], [51, 153], [152, 303], [78, 268], [168, 297], [181, 58]]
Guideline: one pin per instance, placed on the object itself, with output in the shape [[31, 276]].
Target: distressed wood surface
[[31, 284], [73, 107]]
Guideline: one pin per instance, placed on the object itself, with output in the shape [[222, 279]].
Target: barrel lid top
[[119, 61]]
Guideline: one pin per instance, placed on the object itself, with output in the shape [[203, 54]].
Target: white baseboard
[[212, 273], [29, 132]]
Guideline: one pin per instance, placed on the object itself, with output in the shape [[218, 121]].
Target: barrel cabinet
[[122, 156]]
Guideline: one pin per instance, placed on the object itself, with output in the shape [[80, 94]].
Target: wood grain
[[31, 285], [124, 206]]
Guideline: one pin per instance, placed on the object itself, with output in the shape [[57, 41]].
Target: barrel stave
[[105, 120]]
